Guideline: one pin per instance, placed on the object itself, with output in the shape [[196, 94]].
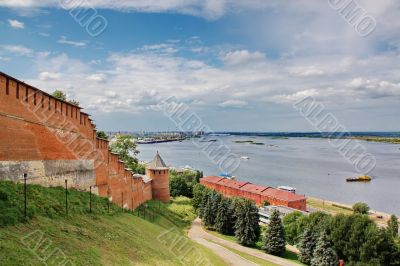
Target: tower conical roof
[[157, 163]]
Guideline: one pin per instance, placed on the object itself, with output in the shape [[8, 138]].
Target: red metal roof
[[232, 183], [282, 195], [212, 179], [256, 189]]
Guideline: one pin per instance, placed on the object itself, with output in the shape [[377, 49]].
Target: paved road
[[197, 234], [228, 256]]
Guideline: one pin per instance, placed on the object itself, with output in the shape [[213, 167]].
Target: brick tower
[[159, 173]]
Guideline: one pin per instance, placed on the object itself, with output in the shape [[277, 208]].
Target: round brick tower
[[158, 171]]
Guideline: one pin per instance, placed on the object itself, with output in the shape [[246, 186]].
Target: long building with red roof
[[259, 194]]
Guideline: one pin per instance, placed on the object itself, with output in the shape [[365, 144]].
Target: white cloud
[[64, 40], [17, 49], [99, 77], [233, 104], [16, 24], [46, 76], [242, 57]]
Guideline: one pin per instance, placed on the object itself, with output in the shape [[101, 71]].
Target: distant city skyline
[[238, 65]]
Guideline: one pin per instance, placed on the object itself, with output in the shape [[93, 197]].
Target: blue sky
[[239, 65]]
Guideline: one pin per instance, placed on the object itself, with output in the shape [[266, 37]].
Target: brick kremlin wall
[[53, 140]]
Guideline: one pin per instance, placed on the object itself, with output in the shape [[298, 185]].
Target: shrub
[[361, 208]]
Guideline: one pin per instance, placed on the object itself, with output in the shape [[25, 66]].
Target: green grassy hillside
[[97, 238]]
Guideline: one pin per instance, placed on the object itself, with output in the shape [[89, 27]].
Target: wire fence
[[20, 202]]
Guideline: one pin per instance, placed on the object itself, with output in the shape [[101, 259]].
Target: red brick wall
[[41, 128], [257, 198]]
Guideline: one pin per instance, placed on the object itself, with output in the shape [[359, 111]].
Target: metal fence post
[[26, 196], [122, 203], [90, 200], [66, 197]]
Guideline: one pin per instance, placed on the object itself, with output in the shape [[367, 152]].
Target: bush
[[179, 187], [361, 208]]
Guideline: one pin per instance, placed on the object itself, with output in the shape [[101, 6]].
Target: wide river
[[311, 165]]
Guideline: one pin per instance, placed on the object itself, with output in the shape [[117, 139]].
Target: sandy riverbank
[[332, 207]]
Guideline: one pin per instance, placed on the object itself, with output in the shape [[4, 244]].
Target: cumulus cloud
[[241, 57], [16, 24], [46, 76]]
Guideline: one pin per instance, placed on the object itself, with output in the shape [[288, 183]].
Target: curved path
[[197, 234]]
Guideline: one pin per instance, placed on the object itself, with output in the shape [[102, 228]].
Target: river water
[[311, 165]]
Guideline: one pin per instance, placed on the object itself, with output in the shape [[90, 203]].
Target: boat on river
[[362, 178]]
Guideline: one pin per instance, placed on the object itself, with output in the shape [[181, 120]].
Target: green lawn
[[98, 238], [251, 258], [289, 255]]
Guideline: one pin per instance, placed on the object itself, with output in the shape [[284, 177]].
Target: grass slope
[[97, 238]]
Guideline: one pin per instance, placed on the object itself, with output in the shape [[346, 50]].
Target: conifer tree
[[211, 208], [393, 226], [247, 229], [274, 239], [204, 203], [224, 220], [307, 246], [324, 255], [198, 193]]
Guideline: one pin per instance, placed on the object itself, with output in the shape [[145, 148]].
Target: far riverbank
[[311, 165]]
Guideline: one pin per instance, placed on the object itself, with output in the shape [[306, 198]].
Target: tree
[[59, 95], [324, 255], [74, 102], [357, 236], [393, 226], [247, 229], [379, 248], [224, 220], [102, 135], [63, 97], [274, 239], [198, 193], [361, 208], [290, 223], [204, 203], [126, 148], [179, 187], [208, 213], [307, 246]]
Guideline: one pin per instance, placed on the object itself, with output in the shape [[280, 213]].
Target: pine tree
[[215, 202], [393, 226], [307, 246], [324, 255], [198, 193], [223, 221], [211, 208], [274, 239], [247, 229], [204, 203]]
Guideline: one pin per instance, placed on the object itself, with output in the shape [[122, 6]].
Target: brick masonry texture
[[53, 140], [256, 193]]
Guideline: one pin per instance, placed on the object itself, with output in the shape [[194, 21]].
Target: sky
[[238, 65]]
